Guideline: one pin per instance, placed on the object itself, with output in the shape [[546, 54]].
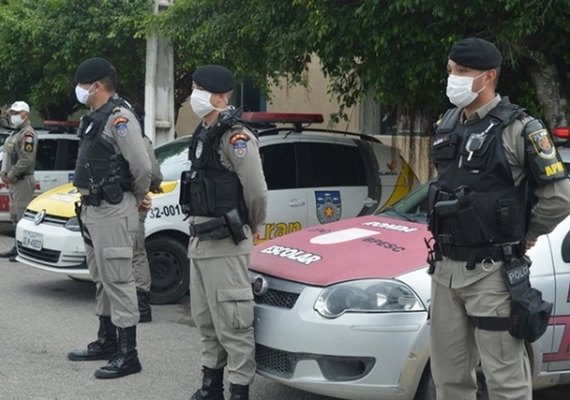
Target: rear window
[[172, 158]]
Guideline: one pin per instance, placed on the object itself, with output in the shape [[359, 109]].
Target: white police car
[[55, 159], [314, 177]]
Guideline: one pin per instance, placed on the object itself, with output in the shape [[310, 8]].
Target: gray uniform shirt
[[20, 151], [552, 207], [243, 158], [123, 131]]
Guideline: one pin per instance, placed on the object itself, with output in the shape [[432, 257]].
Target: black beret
[[476, 53], [214, 78], [93, 69]]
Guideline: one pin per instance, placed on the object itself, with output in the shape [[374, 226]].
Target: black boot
[[126, 360], [212, 385], [10, 253], [103, 348], [239, 392], [145, 311]]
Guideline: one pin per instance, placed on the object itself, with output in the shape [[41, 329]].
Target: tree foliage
[[43, 41]]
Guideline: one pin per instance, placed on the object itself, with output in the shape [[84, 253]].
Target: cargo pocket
[[236, 305], [118, 262]]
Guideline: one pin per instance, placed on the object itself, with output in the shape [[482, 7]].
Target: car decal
[[300, 256], [387, 245], [278, 229], [164, 211], [345, 235], [391, 227], [328, 205]]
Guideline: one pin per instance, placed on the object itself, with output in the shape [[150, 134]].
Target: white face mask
[[16, 120], [460, 90], [200, 102], [82, 94]]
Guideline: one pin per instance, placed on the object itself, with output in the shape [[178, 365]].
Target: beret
[[214, 78], [92, 70], [476, 53]]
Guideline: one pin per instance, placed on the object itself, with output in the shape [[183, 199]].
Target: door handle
[[369, 202], [296, 203]]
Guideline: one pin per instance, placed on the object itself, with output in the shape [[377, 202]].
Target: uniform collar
[[482, 111]]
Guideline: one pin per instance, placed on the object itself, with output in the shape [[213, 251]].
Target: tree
[[43, 41]]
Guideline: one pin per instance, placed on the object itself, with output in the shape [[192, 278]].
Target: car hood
[[60, 201], [357, 248]]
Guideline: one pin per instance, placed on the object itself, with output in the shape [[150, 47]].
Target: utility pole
[[159, 85]]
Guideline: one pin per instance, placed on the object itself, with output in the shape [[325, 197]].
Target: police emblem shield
[[543, 144], [328, 206]]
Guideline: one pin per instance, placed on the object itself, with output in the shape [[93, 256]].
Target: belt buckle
[[488, 264]]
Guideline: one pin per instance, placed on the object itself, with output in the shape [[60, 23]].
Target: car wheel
[[169, 269], [426, 388]]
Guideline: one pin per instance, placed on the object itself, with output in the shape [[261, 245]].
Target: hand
[[156, 189], [145, 204], [5, 178], [530, 243]]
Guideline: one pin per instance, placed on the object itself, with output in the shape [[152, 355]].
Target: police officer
[[140, 258], [488, 153], [112, 175], [228, 201], [19, 164]]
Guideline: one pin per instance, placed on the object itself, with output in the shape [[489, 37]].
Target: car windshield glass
[[172, 158], [413, 207]]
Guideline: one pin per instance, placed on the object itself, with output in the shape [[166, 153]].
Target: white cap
[[19, 106]]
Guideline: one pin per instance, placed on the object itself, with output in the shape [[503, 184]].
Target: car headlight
[[370, 295], [73, 225]]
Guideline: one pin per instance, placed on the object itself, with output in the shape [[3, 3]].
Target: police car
[[342, 309], [314, 177], [55, 159]]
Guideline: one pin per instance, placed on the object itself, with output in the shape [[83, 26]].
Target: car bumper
[[62, 251], [356, 356]]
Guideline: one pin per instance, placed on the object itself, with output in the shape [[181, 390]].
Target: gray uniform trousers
[[140, 259], [222, 308], [21, 193], [457, 346], [112, 229]]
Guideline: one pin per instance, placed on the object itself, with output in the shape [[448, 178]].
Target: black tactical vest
[[474, 201], [213, 189], [97, 161]]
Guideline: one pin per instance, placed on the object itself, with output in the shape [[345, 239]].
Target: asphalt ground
[[44, 315]]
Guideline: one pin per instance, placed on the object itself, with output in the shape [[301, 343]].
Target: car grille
[[45, 255], [275, 362], [48, 219], [278, 298]]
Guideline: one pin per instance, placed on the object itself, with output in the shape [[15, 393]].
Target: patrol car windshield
[[172, 158], [413, 207]]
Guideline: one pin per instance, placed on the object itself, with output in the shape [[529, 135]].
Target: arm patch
[[238, 136], [543, 163], [120, 120]]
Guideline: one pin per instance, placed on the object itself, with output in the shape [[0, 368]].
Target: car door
[[287, 203], [55, 162], [335, 179]]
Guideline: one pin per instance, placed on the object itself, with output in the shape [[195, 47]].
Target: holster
[[112, 192], [235, 226], [529, 312]]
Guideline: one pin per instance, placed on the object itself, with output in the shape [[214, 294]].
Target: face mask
[[200, 102], [16, 120], [82, 94], [459, 90]]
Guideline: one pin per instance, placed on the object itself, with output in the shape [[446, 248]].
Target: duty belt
[[498, 252], [210, 230]]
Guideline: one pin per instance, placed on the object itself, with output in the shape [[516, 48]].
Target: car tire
[[169, 269], [426, 388]]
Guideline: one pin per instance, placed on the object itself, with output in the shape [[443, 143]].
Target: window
[[329, 164], [46, 155], [173, 158], [279, 166]]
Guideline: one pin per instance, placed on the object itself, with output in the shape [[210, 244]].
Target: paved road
[[43, 316]]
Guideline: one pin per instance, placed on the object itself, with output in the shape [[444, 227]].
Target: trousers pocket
[[237, 307], [118, 263]]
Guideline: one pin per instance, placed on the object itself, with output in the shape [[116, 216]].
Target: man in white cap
[[18, 164]]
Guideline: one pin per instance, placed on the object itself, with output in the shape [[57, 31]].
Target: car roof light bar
[[296, 118], [562, 132], [63, 124]]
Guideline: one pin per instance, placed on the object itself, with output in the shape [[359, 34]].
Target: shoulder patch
[[238, 136], [28, 148], [542, 143]]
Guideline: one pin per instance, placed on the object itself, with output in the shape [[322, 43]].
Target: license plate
[[32, 240]]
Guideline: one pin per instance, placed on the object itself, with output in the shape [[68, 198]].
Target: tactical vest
[[474, 201], [213, 189], [97, 161]]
